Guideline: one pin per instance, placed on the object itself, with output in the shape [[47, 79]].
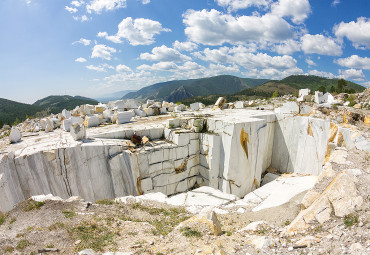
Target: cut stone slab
[[279, 191], [269, 177], [43, 198], [15, 136], [203, 196]]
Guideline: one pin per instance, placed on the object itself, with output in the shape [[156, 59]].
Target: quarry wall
[[230, 154]]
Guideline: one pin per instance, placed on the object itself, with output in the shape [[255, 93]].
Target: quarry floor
[[150, 228]]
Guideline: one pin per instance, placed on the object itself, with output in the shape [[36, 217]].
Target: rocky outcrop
[[339, 198]]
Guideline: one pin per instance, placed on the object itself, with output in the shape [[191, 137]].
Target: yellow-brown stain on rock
[[138, 184], [327, 154], [340, 141], [244, 140], [345, 118], [309, 130], [333, 132], [256, 183], [367, 120], [181, 168]]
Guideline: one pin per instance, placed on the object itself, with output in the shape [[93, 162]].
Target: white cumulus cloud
[[81, 60], [320, 44], [357, 32], [83, 41], [310, 62], [321, 74], [137, 32], [234, 5], [184, 46], [123, 69], [287, 47], [298, 10], [102, 51], [352, 74], [71, 9], [354, 61], [163, 53], [100, 68], [77, 3], [98, 6], [215, 28]]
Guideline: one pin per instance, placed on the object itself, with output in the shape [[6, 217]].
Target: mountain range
[[173, 91], [204, 90], [179, 90], [11, 111]]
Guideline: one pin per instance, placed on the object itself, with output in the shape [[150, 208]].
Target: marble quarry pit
[[227, 150]]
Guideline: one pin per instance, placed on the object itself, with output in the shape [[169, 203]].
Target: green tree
[[332, 89], [322, 89], [341, 85], [275, 94]]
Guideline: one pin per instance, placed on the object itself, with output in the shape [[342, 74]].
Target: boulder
[[66, 114], [340, 196], [206, 217], [91, 121], [67, 124], [220, 103], [122, 117], [149, 111], [239, 105], [139, 113], [15, 136], [78, 131], [196, 106], [49, 128]]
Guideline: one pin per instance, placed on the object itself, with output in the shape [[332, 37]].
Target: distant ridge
[[292, 84], [178, 90], [113, 96], [12, 111]]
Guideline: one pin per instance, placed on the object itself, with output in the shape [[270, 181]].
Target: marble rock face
[[230, 157], [15, 136]]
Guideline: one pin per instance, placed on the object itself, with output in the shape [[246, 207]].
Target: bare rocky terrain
[[60, 227], [329, 217]]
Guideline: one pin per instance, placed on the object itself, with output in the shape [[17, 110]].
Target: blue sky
[[95, 47]]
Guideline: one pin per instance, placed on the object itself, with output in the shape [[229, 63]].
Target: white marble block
[[239, 105], [15, 136], [91, 121], [122, 117], [78, 131], [66, 114]]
